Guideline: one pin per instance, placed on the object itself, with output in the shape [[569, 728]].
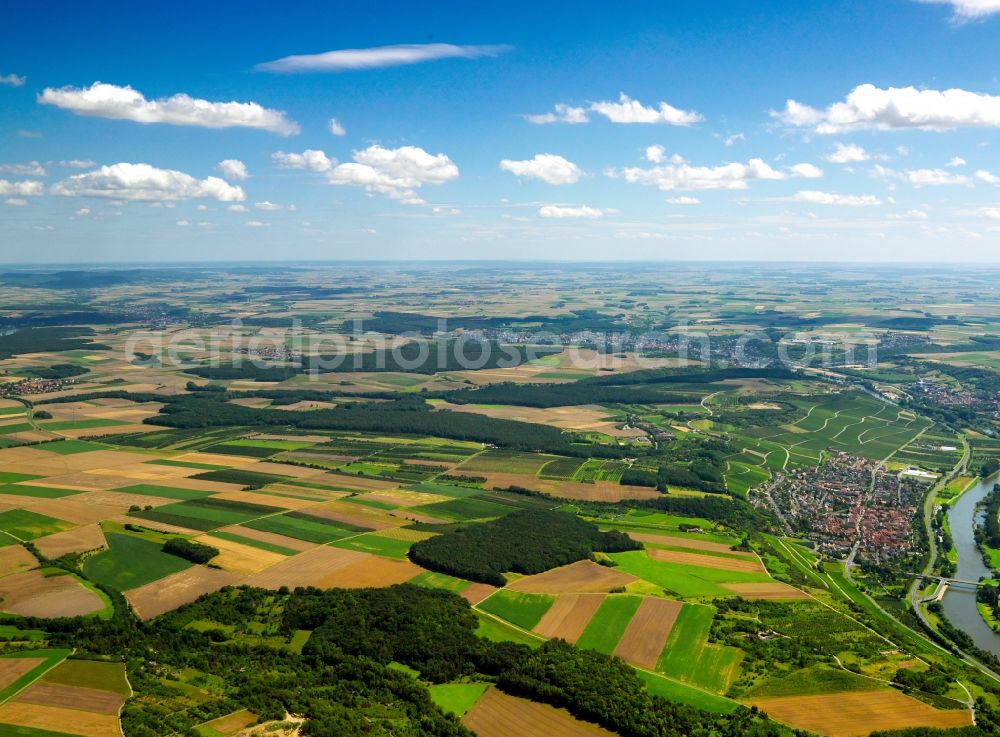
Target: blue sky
[[690, 149]]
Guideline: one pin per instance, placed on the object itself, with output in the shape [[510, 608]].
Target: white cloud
[[183, 223], [847, 153], [956, 162], [986, 177], [232, 169], [683, 200], [806, 171], [271, 206], [566, 212], [16, 202], [257, 224], [77, 164], [30, 169], [687, 177], [909, 215], [868, 107], [993, 213], [310, 160], [336, 128], [655, 153], [379, 56], [12, 80], [82, 212], [563, 114], [237, 208], [627, 110], [124, 103], [922, 177], [142, 182], [26, 188], [730, 140], [394, 172], [966, 10], [814, 197], [549, 168]]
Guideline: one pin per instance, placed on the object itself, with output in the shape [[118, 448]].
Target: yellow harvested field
[[476, 592], [498, 715], [408, 516], [746, 565], [31, 594], [766, 590], [688, 542], [583, 418], [74, 697], [13, 668], [375, 571], [254, 497], [14, 559], [79, 509], [582, 577], [272, 538], [401, 533], [646, 634], [232, 723], [306, 569], [239, 558], [59, 719], [355, 514], [839, 715], [568, 616], [177, 589], [402, 498], [78, 540]]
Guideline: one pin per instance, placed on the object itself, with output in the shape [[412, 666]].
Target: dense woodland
[[529, 541]]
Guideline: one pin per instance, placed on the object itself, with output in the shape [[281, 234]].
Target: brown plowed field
[[498, 715], [766, 590], [568, 616], [177, 589], [841, 715], [476, 592], [31, 594], [688, 542], [79, 540], [73, 697], [13, 668], [644, 638], [746, 565], [14, 558], [306, 569], [354, 514], [582, 577]]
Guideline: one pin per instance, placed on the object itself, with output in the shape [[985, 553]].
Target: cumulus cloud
[[124, 103], [868, 107], [394, 172], [814, 197], [257, 224], [806, 171], [12, 80], [847, 153], [563, 114], [986, 177], [30, 169], [909, 215], [143, 182], [16, 202], [686, 177], [82, 212], [26, 188], [336, 128], [956, 162], [684, 200], [232, 169], [237, 208], [583, 212], [549, 168], [376, 57], [310, 160], [966, 10], [271, 206], [627, 110]]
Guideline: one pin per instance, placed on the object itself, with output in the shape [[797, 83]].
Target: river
[[960, 602]]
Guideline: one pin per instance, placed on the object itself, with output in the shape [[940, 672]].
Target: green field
[[207, 513], [674, 691], [683, 580], [495, 630], [303, 527], [689, 657], [374, 543], [107, 676], [816, 679], [25, 525], [434, 580], [164, 492], [457, 698], [609, 622], [41, 492], [465, 509], [524, 610], [131, 561], [259, 544]]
